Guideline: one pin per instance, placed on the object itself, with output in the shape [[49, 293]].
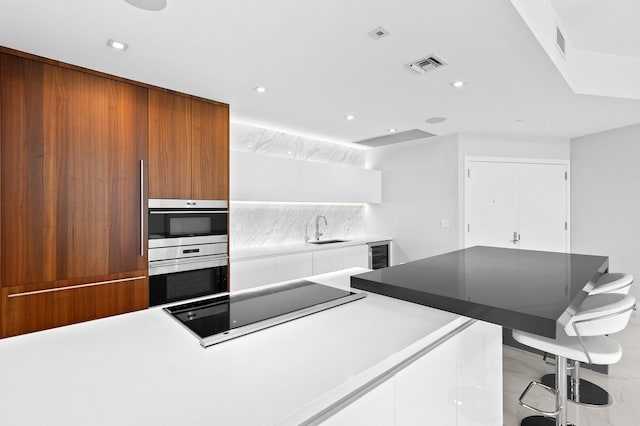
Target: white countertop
[[248, 253], [145, 368]]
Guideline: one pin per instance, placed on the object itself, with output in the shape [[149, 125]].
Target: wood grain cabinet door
[[209, 151], [71, 174], [169, 145], [41, 306]]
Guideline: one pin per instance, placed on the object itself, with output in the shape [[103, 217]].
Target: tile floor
[[623, 383]]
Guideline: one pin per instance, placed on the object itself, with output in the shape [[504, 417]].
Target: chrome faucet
[[318, 233]]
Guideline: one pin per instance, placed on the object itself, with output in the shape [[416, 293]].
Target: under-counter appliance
[[187, 222], [188, 252], [228, 316], [379, 254]]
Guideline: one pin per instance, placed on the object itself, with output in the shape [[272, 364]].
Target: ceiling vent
[[560, 41], [378, 33], [393, 138], [426, 64]]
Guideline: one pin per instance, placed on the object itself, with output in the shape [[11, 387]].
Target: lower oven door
[[181, 279]]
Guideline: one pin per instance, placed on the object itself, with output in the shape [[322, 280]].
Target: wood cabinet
[[188, 148], [40, 306], [72, 192]]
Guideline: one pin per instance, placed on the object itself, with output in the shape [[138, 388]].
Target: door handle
[[516, 237]]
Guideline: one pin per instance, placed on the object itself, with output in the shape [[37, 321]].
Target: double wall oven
[[188, 249]]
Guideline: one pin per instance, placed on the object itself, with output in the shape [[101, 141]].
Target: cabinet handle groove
[[142, 208], [71, 287]]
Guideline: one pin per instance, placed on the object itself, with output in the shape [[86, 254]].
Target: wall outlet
[[444, 223]]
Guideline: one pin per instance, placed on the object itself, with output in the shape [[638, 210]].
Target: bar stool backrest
[[616, 282], [601, 314]]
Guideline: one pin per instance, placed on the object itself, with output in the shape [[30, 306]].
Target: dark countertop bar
[[518, 289]]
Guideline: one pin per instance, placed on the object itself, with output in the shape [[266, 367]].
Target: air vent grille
[[394, 138], [426, 64], [560, 41]]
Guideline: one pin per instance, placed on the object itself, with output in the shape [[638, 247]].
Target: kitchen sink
[[327, 241]]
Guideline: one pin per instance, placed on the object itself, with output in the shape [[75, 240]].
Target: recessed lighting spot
[[153, 5], [393, 130], [118, 45], [350, 117], [458, 84], [435, 120], [260, 89]]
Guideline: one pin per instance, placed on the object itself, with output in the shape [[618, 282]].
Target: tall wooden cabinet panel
[[188, 148], [209, 151], [169, 145], [71, 192]]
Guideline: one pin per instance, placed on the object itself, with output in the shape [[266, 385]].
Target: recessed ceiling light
[[435, 120], [118, 45], [393, 130], [350, 117], [458, 84], [148, 4], [260, 89]]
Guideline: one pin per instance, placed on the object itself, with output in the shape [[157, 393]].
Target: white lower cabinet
[[293, 266], [426, 389], [268, 270], [356, 256], [456, 383], [480, 375], [375, 408], [252, 273], [328, 261]]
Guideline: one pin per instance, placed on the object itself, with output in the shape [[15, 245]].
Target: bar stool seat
[[602, 349], [583, 391], [582, 339]]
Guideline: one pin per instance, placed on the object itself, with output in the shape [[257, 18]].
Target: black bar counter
[[518, 289]]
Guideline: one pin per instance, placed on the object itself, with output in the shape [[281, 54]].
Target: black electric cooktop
[[225, 317]]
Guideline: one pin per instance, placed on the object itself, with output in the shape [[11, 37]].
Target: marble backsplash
[[255, 225], [264, 224], [270, 142]]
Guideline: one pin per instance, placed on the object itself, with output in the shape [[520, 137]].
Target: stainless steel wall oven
[[188, 252]]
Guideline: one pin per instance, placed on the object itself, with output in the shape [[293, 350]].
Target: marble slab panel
[[254, 225], [270, 142]]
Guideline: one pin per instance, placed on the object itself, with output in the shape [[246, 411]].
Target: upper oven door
[[180, 222]]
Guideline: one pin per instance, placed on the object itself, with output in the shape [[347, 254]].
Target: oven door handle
[[161, 267], [187, 211]]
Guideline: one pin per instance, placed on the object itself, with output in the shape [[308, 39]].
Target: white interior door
[[492, 204], [517, 205], [543, 207]]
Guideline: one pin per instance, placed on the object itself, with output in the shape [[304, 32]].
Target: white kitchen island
[[373, 361]]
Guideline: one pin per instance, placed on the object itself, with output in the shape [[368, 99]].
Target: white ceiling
[[611, 26], [318, 63]]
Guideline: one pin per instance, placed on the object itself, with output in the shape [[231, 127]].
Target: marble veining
[[270, 142], [254, 225]]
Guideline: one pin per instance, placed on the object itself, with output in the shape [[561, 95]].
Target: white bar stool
[[581, 391], [582, 339]]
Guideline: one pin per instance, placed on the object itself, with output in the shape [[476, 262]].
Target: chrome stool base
[[539, 421], [591, 395]]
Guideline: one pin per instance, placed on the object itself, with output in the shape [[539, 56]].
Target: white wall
[[422, 184], [605, 198], [511, 146], [419, 187]]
